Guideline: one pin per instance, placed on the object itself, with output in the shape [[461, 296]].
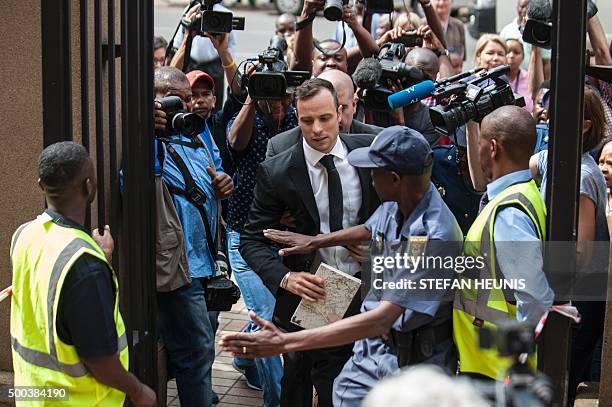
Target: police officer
[[514, 213], [451, 176], [418, 329], [66, 329]]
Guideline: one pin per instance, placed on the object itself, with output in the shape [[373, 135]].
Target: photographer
[[248, 133], [204, 100], [188, 339], [329, 54], [204, 54], [416, 115]]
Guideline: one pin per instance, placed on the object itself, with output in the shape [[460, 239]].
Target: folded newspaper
[[340, 290]]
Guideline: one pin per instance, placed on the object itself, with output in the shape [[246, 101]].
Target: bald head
[[514, 129], [425, 60], [346, 95], [341, 81]]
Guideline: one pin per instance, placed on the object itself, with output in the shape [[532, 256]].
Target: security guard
[[514, 213], [451, 176], [416, 328], [66, 329]]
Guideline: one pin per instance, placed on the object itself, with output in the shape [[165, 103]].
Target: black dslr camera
[[390, 57], [471, 98], [272, 78], [212, 21], [524, 386], [178, 120]]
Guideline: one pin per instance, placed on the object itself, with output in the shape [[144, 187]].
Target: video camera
[[524, 386], [472, 95], [178, 120], [272, 78], [538, 27], [378, 75], [212, 21]]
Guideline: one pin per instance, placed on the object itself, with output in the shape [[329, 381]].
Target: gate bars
[[114, 121]]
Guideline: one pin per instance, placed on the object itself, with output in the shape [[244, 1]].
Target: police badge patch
[[417, 245]]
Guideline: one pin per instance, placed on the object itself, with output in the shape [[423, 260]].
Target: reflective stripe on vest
[[43, 253], [479, 308], [482, 307], [50, 362]]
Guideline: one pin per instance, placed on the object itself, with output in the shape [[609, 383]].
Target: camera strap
[[193, 193], [305, 23], [332, 51], [187, 56]]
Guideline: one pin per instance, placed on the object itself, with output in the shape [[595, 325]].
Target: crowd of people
[[279, 186]]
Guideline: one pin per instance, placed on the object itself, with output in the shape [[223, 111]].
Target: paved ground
[[229, 384]]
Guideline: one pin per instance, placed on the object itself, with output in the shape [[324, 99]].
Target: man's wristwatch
[[443, 52]]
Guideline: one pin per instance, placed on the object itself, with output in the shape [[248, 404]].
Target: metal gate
[[98, 90]]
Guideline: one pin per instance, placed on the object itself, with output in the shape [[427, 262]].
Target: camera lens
[[333, 10], [541, 34], [189, 124]]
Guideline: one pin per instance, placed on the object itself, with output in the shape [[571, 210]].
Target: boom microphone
[[367, 73], [412, 94]]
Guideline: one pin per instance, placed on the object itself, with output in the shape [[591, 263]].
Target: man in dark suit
[[346, 98], [323, 193]]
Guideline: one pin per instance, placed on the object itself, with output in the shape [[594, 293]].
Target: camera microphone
[[539, 10], [368, 73], [411, 95]]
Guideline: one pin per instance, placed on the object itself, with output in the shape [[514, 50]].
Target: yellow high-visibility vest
[[42, 253], [488, 307]]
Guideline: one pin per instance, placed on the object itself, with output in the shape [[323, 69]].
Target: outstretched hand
[[269, 341], [296, 242]]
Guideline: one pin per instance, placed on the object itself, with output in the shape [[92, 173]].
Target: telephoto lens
[[333, 10], [178, 120]]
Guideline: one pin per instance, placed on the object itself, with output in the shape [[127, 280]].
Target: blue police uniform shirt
[[462, 200], [514, 225], [201, 263], [372, 359]]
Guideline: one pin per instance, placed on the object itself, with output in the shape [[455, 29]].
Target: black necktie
[[334, 190]]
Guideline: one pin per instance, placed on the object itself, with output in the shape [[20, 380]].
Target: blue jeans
[[187, 332], [258, 298]]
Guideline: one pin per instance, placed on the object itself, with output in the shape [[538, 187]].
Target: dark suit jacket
[[286, 140], [283, 182]]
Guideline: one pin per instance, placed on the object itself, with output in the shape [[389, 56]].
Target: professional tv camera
[[272, 78], [377, 75], [524, 386], [212, 21], [538, 27], [178, 120], [472, 95]]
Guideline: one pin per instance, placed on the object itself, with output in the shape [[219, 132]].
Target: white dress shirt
[[337, 257]]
